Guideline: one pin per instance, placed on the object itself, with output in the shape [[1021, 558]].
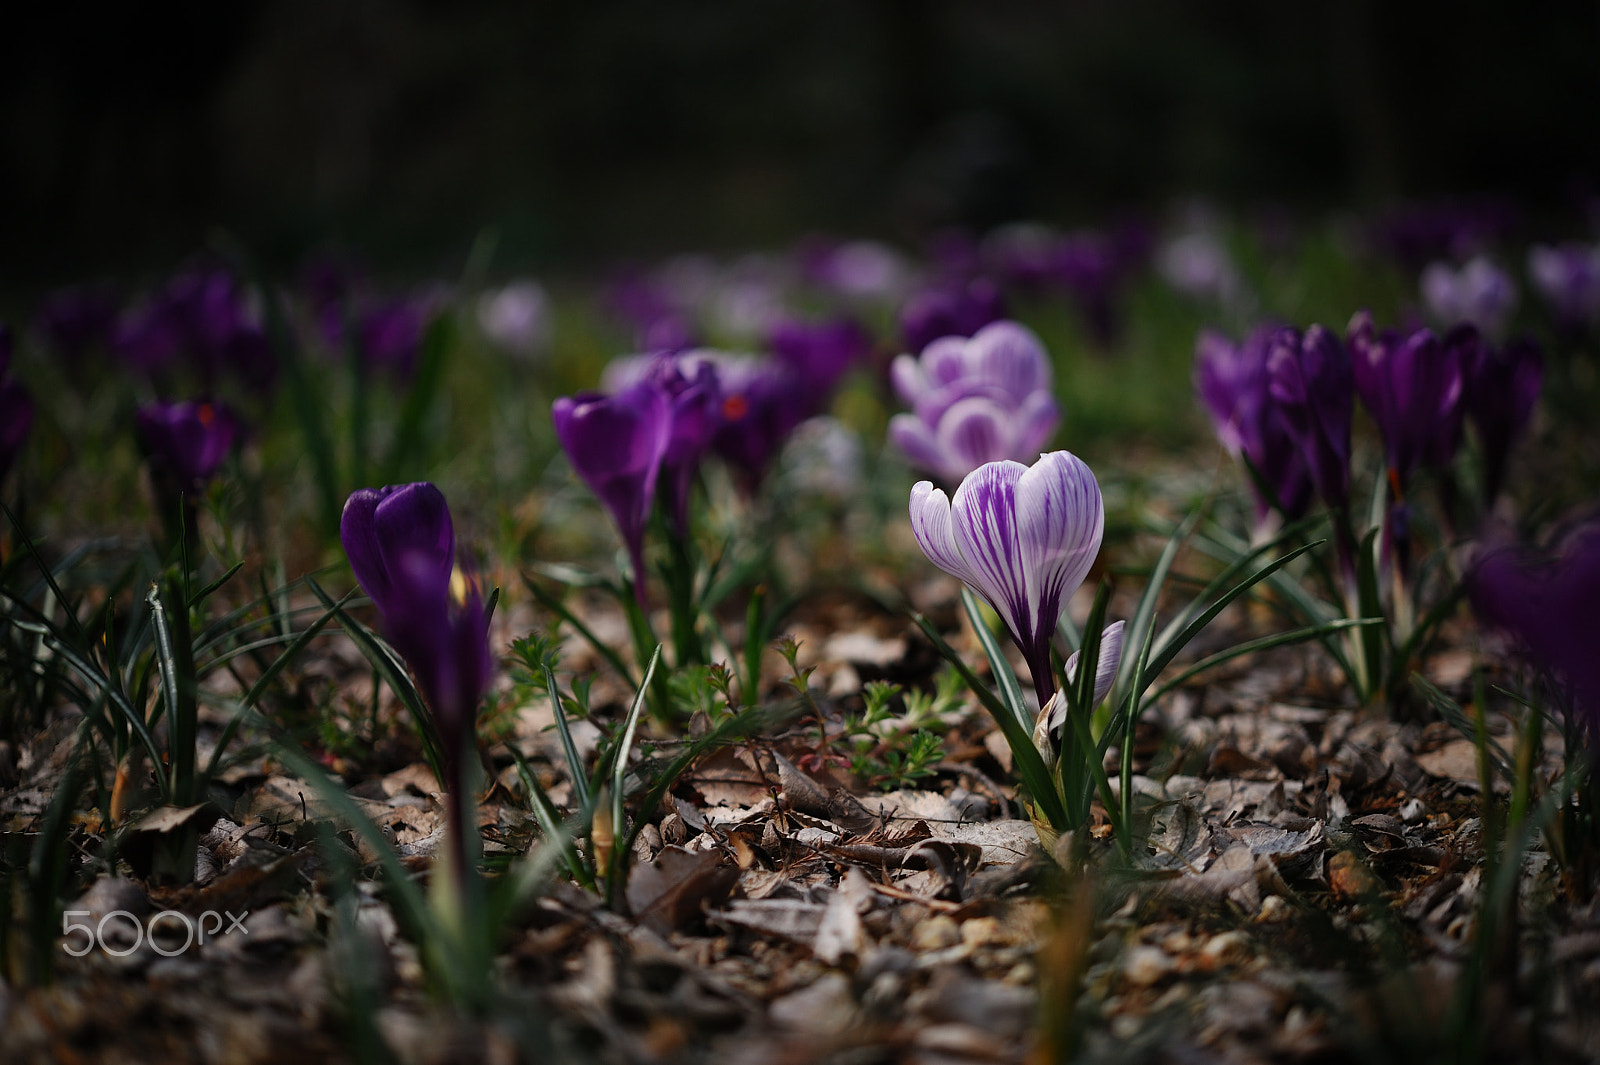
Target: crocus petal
[[1110, 661], [1034, 423], [932, 525], [916, 442], [905, 374], [1010, 355], [972, 432]]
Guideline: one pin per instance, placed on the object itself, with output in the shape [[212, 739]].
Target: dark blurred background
[[131, 134]]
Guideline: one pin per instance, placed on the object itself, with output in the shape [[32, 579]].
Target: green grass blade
[[1036, 777], [555, 606]]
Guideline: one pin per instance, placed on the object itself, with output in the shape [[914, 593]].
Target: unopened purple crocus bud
[[617, 444], [1480, 293], [186, 443], [401, 544], [1412, 387], [974, 401], [950, 311], [1548, 606], [1232, 383], [1568, 277], [16, 417], [1311, 382], [1502, 386], [1022, 537], [382, 526]]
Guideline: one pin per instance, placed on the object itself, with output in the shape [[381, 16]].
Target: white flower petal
[[932, 526]]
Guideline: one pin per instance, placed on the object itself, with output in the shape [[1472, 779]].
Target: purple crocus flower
[[1024, 538], [617, 444], [401, 544], [185, 443], [1412, 386], [1502, 386], [695, 397], [1548, 606], [950, 311], [1310, 380], [1233, 385], [1479, 293], [1568, 277], [1089, 265], [974, 401], [391, 335]]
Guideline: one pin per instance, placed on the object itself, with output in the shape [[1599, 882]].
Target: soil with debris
[[1307, 889]]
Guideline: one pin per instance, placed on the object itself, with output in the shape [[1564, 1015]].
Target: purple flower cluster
[[202, 323], [950, 310], [16, 407], [401, 544], [974, 401], [1284, 387], [1090, 267]]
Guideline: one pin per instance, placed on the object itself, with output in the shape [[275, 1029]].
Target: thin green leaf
[[554, 605], [210, 589], [1262, 643], [575, 773], [1035, 775]]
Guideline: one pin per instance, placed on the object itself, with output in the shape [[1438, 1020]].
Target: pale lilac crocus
[[1023, 538], [974, 400], [1479, 293]]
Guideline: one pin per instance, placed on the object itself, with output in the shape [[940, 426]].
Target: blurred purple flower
[[185, 443], [617, 444], [1412, 387], [695, 398], [1092, 269], [203, 321], [659, 322], [974, 401], [950, 311], [401, 544], [858, 269], [1479, 293], [1418, 233], [1022, 537], [517, 317], [1548, 607], [1232, 383], [75, 321], [391, 335], [820, 353], [1311, 381], [1568, 278], [763, 402], [1502, 386]]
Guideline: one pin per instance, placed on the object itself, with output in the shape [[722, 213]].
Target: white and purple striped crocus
[[1024, 538], [974, 400]]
